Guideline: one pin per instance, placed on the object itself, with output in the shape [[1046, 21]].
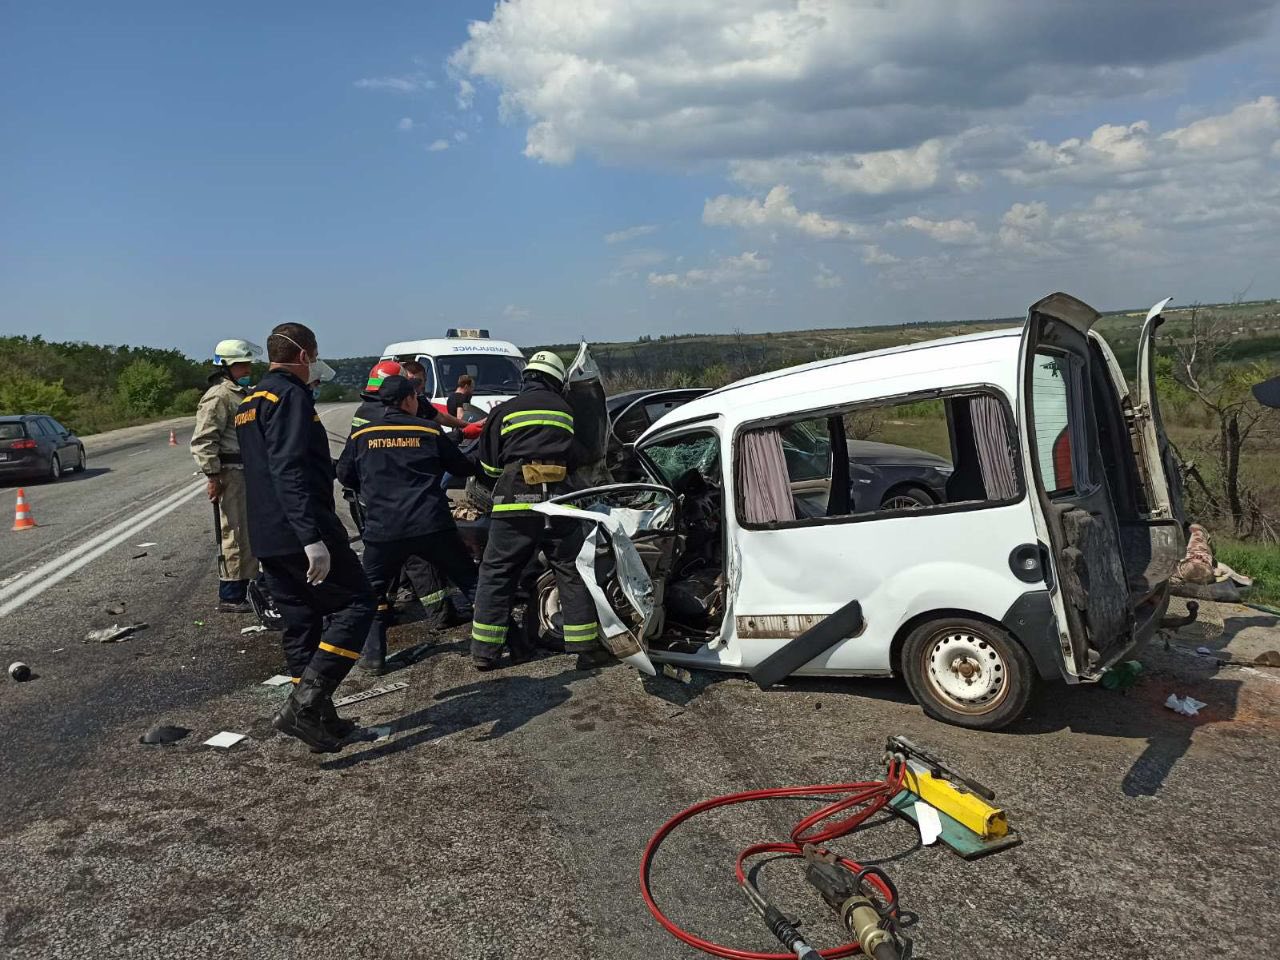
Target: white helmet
[[228, 352], [544, 361]]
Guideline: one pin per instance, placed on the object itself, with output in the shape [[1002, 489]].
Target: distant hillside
[[713, 359]]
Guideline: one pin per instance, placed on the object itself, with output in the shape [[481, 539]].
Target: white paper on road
[[224, 739], [1187, 706], [279, 680], [929, 823]]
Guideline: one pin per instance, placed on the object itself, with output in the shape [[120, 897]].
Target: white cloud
[[872, 255], [435, 146], [406, 123], [776, 212], [630, 233], [516, 314], [466, 95], [725, 270], [405, 83], [683, 80], [826, 278], [943, 231], [1132, 155], [460, 136]]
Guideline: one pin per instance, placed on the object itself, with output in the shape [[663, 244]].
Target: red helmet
[[381, 370]]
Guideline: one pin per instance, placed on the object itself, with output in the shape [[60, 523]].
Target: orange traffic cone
[[22, 519], [173, 439]]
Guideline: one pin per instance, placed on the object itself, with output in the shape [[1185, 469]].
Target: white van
[[494, 365], [1044, 556]]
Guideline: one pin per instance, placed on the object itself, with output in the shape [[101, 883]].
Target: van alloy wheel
[[965, 672]]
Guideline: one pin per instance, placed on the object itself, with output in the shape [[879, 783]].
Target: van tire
[[479, 495], [937, 656]]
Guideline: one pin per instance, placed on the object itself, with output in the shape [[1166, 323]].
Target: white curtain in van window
[[994, 453], [763, 478]]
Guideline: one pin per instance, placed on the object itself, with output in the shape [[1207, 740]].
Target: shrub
[[144, 387], [21, 393]]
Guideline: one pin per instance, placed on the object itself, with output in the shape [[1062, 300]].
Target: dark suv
[[33, 445]]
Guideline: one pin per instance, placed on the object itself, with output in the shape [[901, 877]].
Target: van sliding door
[[1073, 503]]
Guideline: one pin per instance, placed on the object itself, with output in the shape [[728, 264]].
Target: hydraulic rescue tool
[[864, 898]]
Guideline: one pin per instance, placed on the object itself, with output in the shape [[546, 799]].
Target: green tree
[[21, 393], [145, 387]]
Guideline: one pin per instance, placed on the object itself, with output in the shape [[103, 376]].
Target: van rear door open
[[1162, 466], [1070, 496]]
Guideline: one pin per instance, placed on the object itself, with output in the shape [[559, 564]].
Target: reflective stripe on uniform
[[491, 471], [537, 418], [330, 648], [433, 597], [488, 633], [580, 632], [265, 394], [508, 507], [432, 430], [358, 422]]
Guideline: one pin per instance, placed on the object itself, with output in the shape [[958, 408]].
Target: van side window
[[1050, 406], [879, 459]]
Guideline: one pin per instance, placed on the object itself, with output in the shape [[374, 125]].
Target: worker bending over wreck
[[528, 445], [310, 567], [395, 466]]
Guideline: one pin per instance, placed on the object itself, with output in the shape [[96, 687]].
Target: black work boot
[[303, 714], [373, 658], [593, 658], [340, 727]]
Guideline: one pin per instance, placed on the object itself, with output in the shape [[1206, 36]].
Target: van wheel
[[547, 605], [968, 672]]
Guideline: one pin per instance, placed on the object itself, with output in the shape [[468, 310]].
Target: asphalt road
[[505, 814]]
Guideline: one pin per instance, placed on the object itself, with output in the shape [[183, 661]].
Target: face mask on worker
[[245, 381], [303, 360], [315, 392]]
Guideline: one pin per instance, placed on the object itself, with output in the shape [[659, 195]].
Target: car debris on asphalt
[[114, 633], [256, 628], [279, 680], [370, 694], [19, 671], [164, 733]]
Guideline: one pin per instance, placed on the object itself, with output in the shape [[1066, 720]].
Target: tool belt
[[535, 473]]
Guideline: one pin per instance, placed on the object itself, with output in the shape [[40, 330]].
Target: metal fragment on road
[[370, 694], [138, 556], [279, 680], [256, 628], [225, 739], [149, 543], [113, 634]]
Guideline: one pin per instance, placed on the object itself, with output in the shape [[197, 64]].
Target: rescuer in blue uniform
[[395, 464], [528, 446], [295, 532]]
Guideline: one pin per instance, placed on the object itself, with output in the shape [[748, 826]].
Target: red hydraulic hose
[[865, 798]]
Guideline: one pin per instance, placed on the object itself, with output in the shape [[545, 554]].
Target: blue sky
[[173, 173]]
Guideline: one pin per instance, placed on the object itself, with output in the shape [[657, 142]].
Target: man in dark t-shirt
[[462, 395]]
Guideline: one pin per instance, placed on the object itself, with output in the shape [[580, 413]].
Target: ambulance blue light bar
[[466, 333]]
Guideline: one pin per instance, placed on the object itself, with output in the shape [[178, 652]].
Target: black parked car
[[33, 445]]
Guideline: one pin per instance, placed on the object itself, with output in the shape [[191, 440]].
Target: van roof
[[444, 346], [930, 364]]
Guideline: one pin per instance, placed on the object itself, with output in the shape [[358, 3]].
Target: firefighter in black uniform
[[417, 575], [395, 464], [310, 567], [529, 447]]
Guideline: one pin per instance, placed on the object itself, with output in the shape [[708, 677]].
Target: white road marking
[[30, 585]]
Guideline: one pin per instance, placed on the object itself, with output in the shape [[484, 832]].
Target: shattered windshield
[[491, 373]]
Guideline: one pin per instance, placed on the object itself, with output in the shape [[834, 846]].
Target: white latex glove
[[317, 562]]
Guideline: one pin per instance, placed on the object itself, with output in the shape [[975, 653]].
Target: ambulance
[[494, 365]]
